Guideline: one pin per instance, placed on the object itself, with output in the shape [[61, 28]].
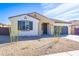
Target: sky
[[61, 11]]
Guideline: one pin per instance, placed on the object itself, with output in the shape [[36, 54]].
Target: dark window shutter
[[21, 25], [31, 25]]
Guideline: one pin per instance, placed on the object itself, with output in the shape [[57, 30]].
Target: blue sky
[[7, 10], [60, 11]]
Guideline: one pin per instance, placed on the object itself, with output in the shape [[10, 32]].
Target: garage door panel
[[64, 30], [61, 30]]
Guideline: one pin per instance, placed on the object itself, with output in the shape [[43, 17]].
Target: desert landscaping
[[42, 46]]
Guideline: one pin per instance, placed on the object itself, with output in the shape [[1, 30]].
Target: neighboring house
[[35, 24], [4, 29], [75, 27], [3, 25]]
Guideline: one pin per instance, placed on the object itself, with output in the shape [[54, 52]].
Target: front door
[[44, 28]]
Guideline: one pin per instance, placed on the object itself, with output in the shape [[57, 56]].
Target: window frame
[[25, 25]]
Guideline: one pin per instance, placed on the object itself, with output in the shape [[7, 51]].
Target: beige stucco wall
[[13, 31], [74, 25], [72, 30], [16, 32]]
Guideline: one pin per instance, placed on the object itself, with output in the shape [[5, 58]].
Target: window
[[25, 25], [21, 25]]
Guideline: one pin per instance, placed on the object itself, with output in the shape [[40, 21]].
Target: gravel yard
[[42, 46]]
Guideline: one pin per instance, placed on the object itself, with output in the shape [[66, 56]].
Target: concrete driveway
[[4, 39], [72, 37], [70, 53]]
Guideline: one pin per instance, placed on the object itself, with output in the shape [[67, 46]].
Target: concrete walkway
[[72, 37], [70, 53]]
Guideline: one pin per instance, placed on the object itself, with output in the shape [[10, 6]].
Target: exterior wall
[[16, 32], [13, 30], [63, 24], [77, 26], [74, 24], [73, 27], [69, 29], [72, 30]]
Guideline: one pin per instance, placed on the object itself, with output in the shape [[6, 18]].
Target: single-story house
[[35, 24]]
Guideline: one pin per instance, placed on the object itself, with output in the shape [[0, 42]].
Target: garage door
[[60, 30], [76, 31], [4, 31], [64, 30]]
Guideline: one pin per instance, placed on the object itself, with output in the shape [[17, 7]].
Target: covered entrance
[[45, 28]]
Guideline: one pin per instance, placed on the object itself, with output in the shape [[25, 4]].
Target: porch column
[[40, 28], [69, 30], [51, 29]]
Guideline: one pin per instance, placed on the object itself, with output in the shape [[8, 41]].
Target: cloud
[[74, 11], [62, 11], [49, 6]]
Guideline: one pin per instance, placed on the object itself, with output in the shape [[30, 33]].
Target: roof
[[60, 21], [20, 15], [34, 15], [74, 22]]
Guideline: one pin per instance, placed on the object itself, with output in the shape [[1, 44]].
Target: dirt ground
[[39, 47]]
